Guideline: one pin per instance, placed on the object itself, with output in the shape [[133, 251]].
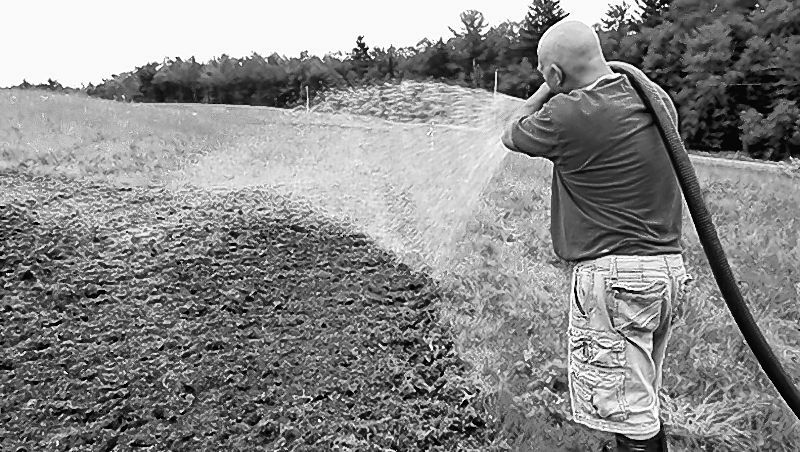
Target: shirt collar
[[605, 77]]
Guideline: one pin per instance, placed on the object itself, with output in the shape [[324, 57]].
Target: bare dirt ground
[[147, 319]]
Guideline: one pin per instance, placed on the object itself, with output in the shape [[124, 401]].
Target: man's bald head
[[570, 56]]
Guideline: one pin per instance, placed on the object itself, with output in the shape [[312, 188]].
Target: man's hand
[[531, 106], [539, 98]]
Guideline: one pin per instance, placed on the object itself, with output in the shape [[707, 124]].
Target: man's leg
[[661, 335], [656, 443], [680, 280], [620, 320]]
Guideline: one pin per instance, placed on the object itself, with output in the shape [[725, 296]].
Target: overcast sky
[[82, 41]]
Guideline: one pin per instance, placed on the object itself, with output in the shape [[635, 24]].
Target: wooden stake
[[308, 101], [495, 83]]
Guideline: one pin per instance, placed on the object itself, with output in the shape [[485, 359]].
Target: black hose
[[708, 235]]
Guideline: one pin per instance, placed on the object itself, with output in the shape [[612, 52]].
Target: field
[[194, 294]]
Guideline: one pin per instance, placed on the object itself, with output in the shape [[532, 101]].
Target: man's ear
[[558, 76]]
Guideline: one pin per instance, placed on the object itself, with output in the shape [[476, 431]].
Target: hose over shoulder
[[708, 235]]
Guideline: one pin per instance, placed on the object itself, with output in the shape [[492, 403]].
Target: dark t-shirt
[[614, 189]]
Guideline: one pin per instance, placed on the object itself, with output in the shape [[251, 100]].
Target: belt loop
[[613, 267], [669, 266]]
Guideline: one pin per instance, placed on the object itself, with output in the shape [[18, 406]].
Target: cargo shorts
[[620, 320]]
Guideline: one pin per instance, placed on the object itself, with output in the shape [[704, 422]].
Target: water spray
[[412, 186]]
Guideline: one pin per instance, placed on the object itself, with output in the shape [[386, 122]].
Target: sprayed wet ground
[[138, 318]]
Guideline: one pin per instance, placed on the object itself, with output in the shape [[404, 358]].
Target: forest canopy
[[731, 66]]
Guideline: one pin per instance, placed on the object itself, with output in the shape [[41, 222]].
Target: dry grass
[[508, 307]]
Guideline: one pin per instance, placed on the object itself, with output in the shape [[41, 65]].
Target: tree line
[[731, 66]]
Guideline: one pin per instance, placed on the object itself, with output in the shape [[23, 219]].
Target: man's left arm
[[532, 130]]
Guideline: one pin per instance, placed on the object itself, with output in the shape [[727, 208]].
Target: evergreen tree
[[470, 44], [360, 51], [651, 12], [360, 56], [542, 14], [618, 18], [473, 25], [618, 35]]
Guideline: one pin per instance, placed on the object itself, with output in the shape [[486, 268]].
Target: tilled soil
[[148, 319]]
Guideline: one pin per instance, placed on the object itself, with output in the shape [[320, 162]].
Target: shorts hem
[[614, 427]]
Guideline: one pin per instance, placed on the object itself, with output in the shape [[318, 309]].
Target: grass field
[[504, 294]]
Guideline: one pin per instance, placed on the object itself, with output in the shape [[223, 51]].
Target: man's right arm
[[532, 130], [535, 135]]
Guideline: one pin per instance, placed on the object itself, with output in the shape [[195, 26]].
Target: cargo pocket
[[681, 288], [637, 304], [597, 348], [582, 291], [597, 371]]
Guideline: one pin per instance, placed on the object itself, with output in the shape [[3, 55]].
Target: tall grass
[[714, 392]]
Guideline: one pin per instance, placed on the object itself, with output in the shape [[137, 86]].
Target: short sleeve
[[535, 135]]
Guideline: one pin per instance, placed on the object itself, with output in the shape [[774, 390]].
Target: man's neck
[[592, 77]]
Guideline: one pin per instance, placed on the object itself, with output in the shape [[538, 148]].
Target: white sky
[[82, 41]]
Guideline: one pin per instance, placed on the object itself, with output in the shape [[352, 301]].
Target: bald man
[[616, 216]]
